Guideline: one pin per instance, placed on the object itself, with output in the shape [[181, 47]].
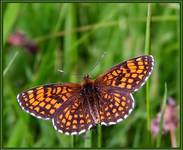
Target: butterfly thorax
[[89, 92]]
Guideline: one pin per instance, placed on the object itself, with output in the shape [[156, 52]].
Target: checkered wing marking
[[115, 105], [73, 118], [129, 75], [43, 101]]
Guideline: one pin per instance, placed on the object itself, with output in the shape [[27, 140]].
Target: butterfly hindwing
[[73, 118], [115, 105]]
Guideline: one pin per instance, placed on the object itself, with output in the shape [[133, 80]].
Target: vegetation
[[42, 38]]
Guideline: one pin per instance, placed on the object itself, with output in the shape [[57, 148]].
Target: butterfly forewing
[[44, 101], [129, 75]]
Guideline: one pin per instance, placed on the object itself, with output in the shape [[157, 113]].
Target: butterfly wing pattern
[[129, 75], [43, 101], [75, 108], [73, 118], [115, 106]]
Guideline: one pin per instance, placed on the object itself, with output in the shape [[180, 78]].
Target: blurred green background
[[73, 37]]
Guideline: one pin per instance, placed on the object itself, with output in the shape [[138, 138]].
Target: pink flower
[[170, 121], [19, 39]]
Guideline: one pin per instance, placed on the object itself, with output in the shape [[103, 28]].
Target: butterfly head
[[86, 77]]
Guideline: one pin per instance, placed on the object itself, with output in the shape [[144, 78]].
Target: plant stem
[[99, 133], [173, 138], [72, 141], [88, 140], [148, 27], [147, 49], [105, 24], [162, 117]]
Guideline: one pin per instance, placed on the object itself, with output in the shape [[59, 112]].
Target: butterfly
[[76, 107]]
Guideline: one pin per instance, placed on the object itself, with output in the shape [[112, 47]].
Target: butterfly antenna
[[96, 64], [94, 67], [73, 74]]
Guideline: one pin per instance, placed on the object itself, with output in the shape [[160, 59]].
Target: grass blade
[[10, 63]]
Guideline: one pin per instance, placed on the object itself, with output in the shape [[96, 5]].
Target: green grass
[[74, 38], [147, 51], [10, 63], [9, 19]]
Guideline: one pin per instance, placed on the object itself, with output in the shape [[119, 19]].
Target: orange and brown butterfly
[[76, 107]]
